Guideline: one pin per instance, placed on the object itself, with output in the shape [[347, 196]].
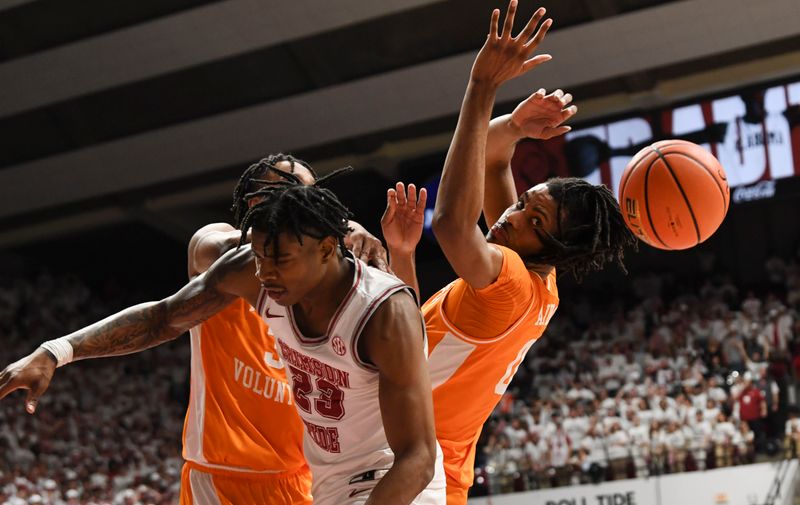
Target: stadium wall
[[741, 485]]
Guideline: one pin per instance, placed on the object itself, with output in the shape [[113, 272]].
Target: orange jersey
[[241, 418], [477, 338]]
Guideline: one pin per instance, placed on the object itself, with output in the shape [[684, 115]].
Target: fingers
[[401, 199], [34, 394], [422, 200], [358, 247], [508, 26], [379, 259], [401, 194], [391, 206], [526, 32], [535, 61], [568, 112], [540, 33], [30, 402], [549, 133], [412, 195], [493, 23]]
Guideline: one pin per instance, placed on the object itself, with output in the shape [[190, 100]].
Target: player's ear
[[328, 248]]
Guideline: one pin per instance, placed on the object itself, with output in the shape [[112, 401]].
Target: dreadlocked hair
[[249, 179], [591, 229], [290, 206]]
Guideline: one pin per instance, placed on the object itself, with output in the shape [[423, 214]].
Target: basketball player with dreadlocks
[[242, 435], [481, 326]]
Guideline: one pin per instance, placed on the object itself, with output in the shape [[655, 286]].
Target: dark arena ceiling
[[148, 110]]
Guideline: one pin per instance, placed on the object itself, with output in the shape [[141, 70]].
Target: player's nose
[[265, 271]]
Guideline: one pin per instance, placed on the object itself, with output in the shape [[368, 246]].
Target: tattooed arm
[[142, 326]]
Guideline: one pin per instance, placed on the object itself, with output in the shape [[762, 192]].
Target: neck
[[331, 290], [541, 270]]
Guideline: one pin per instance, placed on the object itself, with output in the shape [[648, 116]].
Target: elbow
[[420, 465], [438, 223], [427, 458], [443, 226]]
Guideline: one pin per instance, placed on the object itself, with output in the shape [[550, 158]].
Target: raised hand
[[504, 57], [33, 372], [404, 218], [540, 116]]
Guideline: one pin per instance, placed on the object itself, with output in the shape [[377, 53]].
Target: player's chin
[[494, 239]]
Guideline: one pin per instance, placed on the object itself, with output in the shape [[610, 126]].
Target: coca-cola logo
[[760, 191]]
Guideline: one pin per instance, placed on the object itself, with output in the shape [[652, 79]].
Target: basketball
[[674, 194]]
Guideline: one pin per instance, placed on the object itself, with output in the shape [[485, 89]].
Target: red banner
[[754, 134]]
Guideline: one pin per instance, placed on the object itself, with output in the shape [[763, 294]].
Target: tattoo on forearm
[[134, 329], [149, 324]]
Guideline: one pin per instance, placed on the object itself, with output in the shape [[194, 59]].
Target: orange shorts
[[203, 488], [456, 495]]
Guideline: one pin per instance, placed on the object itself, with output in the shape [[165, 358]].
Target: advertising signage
[[755, 134]]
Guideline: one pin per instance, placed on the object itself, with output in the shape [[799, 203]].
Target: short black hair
[[248, 182], [591, 229], [288, 205]]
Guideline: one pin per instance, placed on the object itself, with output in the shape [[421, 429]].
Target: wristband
[[61, 349]]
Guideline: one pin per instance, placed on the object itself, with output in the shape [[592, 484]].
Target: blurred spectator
[[753, 408], [104, 428], [663, 383]]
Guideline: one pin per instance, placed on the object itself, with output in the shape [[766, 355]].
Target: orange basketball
[[674, 194]]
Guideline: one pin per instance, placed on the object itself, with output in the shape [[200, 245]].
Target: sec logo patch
[[338, 346]]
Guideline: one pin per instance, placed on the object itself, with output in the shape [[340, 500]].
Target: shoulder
[[400, 303], [394, 318], [394, 333], [208, 244], [514, 277]]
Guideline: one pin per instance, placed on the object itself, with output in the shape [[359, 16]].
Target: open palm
[[404, 218], [504, 56]]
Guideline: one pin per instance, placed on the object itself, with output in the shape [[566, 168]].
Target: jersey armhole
[[373, 306]]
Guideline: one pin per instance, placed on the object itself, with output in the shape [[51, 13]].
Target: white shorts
[[354, 489]]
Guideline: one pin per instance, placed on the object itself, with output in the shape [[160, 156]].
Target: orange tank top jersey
[[477, 338], [241, 418]]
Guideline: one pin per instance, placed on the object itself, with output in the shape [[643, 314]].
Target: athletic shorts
[[203, 488], [354, 489], [456, 495]]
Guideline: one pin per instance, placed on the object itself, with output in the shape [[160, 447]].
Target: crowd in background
[[673, 379], [107, 431], [670, 378]]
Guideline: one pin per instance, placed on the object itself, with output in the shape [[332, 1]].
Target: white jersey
[[336, 394]]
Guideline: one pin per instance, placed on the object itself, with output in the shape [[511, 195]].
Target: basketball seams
[[725, 201], [647, 202], [626, 176], [683, 193]]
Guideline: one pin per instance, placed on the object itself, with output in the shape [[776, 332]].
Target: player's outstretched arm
[[402, 224], [540, 116], [137, 328], [461, 191], [211, 241], [394, 342]]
